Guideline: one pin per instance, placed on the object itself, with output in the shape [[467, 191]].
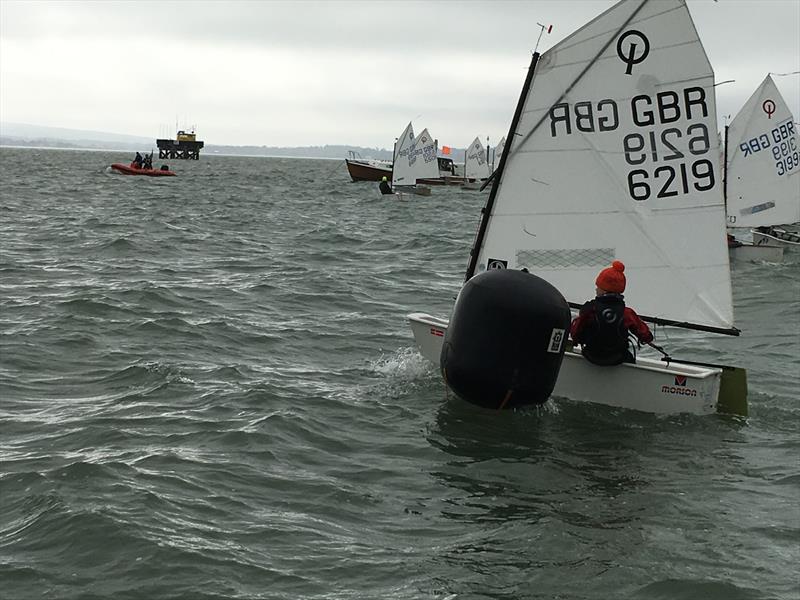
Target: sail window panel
[[565, 258]]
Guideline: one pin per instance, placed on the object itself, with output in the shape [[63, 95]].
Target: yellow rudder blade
[[733, 392]]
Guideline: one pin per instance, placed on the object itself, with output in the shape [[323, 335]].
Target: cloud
[[311, 73]]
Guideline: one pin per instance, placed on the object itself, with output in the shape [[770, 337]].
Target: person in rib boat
[[603, 325]]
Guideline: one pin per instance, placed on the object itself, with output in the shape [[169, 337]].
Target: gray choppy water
[[208, 390]]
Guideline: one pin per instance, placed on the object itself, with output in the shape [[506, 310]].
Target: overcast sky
[[312, 73]]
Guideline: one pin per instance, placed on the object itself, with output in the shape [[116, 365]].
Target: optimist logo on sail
[[631, 58]]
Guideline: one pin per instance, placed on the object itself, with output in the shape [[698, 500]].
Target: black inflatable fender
[[506, 339]]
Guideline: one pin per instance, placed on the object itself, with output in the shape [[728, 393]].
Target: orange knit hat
[[612, 279]]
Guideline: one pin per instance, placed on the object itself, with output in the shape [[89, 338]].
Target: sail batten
[[615, 151]]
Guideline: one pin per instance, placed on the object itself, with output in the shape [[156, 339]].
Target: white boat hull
[[649, 385], [756, 253], [779, 237], [412, 190]]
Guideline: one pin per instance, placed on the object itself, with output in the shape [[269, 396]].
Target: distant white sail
[[498, 152], [615, 157], [422, 157], [476, 165], [401, 170], [763, 177]]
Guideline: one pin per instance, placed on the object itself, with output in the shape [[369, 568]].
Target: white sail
[[498, 152], [401, 171], [422, 157], [763, 177], [476, 165], [615, 156]]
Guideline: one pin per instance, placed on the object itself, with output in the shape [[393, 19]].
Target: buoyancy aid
[[605, 339]]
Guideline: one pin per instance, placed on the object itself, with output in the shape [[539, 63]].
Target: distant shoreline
[[118, 151], [20, 135]]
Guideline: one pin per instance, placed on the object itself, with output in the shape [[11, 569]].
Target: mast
[[394, 158], [725, 170], [497, 175]]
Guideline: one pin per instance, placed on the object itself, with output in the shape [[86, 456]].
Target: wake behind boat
[[610, 155]]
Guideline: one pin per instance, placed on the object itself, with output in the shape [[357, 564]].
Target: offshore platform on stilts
[[185, 146]]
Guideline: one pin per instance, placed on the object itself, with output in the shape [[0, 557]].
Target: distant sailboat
[[476, 166], [762, 168], [610, 155], [401, 172], [498, 153], [414, 159]]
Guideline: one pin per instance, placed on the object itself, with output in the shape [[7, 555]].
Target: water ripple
[[209, 390]]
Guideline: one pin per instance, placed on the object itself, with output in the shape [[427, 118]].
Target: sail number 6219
[[671, 180], [669, 174]]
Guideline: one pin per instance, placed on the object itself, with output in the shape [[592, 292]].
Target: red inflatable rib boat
[[131, 170]]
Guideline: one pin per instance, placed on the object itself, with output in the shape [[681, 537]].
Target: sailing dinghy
[[611, 154], [497, 153], [414, 159], [762, 170], [476, 166]]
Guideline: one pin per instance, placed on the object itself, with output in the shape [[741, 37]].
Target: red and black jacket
[[602, 328]]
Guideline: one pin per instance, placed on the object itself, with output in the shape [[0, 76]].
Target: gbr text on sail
[[665, 139]]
